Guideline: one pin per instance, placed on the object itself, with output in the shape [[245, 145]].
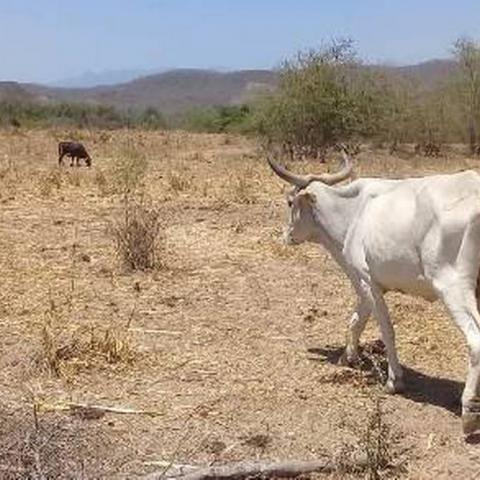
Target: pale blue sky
[[45, 40]]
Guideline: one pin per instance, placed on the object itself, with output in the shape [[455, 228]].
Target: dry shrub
[[243, 185], [52, 446], [100, 179], [10, 176], [375, 454], [127, 174], [138, 236], [74, 178], [52, 348], [7, 168], [376, 443], [130, 170], [50, 181], [104, 137], [178, 181], [241, 189]]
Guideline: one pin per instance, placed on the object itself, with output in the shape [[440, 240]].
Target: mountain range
[[176, 90]]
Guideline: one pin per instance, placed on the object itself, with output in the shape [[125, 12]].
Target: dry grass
[[178, 181], [138, 235], [227, 341]]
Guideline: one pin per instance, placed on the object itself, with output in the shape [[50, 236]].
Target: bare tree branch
[[242, 470]]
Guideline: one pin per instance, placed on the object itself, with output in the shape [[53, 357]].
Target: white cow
[[420, 236]]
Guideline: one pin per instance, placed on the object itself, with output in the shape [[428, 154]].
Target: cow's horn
[[303, 181]]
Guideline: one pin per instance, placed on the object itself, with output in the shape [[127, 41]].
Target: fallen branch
[[85, 408], [243, 470]]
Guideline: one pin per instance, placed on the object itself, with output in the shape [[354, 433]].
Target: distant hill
[[15, 92], [171, 91], [176, 90], [428, 74], [94, 79]]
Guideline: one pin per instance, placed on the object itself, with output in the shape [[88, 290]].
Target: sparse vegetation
[[80, 115], [212, 341], [219, 119], [50, 181], [139, 235], [129, 170], [178, 181], [376, 442]]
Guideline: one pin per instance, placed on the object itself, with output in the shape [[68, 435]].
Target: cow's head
[[302, 200], [301, 225]]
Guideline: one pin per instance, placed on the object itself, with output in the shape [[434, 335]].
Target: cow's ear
[[306, 199]]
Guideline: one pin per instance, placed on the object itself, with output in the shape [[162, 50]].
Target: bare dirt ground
[[230, 346]]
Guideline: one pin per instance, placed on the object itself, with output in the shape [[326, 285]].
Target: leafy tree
[[324, 96], [467, 53]]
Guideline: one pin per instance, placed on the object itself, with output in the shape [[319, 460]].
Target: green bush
[[77, 115], [324, 96], [219, 119]]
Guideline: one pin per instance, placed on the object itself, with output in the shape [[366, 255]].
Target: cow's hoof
[[470, 423], [395, 386]]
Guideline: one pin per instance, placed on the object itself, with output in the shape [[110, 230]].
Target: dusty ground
[[231, 344]]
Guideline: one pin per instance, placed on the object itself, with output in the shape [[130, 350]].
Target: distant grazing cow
[[76, 151]]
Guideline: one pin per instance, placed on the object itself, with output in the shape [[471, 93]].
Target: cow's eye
[[289, 203]]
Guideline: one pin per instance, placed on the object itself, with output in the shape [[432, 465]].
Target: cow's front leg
[[356, 326]]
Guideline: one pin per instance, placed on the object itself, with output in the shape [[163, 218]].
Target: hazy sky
[[45, 40]]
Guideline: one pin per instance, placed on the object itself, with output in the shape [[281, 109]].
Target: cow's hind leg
[[458, 288], [461, 302]]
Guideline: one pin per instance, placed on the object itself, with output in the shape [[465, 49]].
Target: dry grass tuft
[[50, 181], [100, 180], [74, 178], [114, 344], [243, 185], [178, 181], [130, 170], [374, 454], [138, 236], [66, 353], [376, 443]]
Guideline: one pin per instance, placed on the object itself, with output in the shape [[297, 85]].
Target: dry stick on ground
[[76, 407], [243, 470]]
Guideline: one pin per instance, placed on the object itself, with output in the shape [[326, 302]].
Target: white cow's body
[[408, 231], [420, 236]]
